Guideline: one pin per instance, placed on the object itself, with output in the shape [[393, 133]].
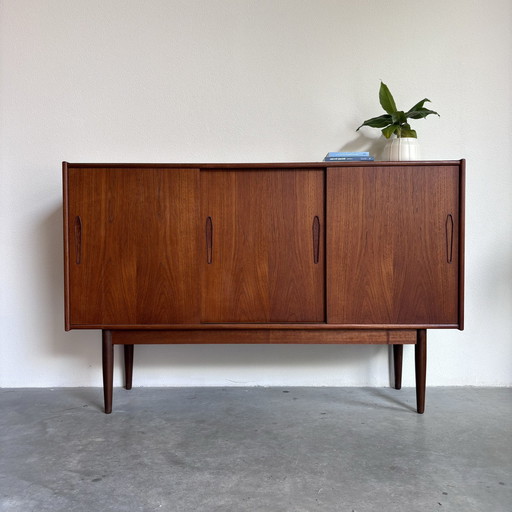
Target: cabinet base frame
[[396, 338]]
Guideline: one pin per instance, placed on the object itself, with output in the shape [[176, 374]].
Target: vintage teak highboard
[[350, 252]]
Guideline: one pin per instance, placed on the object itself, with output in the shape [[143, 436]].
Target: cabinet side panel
[[392, 245], [133, 246], [65, 212], [461, 248]]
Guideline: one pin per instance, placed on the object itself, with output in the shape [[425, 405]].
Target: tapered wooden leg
[[108, 369], [421, 369], [398, 352], [128, 366]]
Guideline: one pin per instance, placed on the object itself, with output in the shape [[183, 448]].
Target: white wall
[[245, 80]]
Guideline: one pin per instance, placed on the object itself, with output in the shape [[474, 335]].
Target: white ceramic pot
[[402, 148]]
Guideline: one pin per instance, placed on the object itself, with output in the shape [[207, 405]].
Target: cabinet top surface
[[270, 165]]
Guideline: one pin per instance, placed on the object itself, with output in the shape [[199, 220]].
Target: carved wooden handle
[[78, 240], [449, 238], [209, 240], [316, 239]]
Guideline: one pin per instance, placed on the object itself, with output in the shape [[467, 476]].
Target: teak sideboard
[[349, 252]]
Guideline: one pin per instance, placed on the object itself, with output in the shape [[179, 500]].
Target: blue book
[[339, 154], [349, 159]]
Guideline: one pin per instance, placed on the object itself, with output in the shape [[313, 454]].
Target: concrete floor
[[256, 449]]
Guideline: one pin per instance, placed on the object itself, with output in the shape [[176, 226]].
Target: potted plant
[[403, 144]]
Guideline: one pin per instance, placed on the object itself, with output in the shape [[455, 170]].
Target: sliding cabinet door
[[132, 246], [263, 251], [393, 245]]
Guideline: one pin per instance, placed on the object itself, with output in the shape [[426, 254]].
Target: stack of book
[[348, 156]]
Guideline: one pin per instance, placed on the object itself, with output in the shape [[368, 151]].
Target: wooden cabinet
[[264, 253]]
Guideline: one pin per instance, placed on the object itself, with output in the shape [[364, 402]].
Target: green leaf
[[386, 99], [378, 122], [419, 105], [420, 113], [399, 118], [388, 131], [409, 133]]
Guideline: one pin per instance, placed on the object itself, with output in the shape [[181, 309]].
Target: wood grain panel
[[277, 336], [139, 248], [388, 246], [263, 267]]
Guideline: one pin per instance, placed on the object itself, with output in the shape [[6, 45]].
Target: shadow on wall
[[363, 143], [83, 347]]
